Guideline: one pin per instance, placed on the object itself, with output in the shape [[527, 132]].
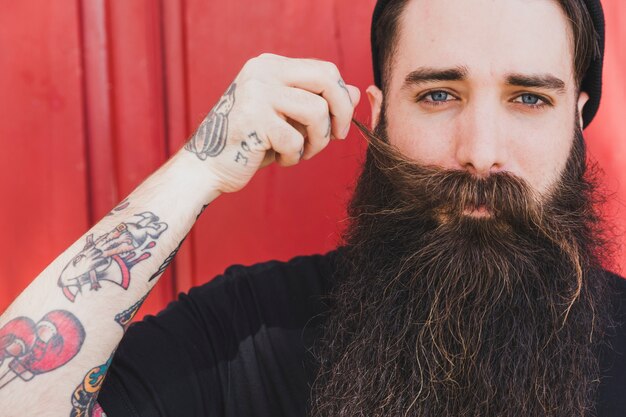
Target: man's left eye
[[530, 99], [438, 96]]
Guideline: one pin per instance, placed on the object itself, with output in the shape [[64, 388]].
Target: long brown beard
[[440, 314]]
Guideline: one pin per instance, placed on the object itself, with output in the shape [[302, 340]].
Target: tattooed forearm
[[120, 207], [125, 317], [84, 398], [111, 256], [166, 262], [28, 349], [210, 138], [172, 255]]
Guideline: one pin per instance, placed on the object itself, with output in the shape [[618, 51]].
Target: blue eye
[[529, 99], [438, 96]]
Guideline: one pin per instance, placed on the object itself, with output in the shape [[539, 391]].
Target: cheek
[[427, 141], [541, 157]]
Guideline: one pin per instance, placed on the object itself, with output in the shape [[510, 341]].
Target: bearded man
[[471, 278]]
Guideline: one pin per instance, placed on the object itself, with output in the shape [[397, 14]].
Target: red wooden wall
[[95, 94]]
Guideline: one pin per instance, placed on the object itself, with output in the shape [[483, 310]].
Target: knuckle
[[262, 66], [332, 69], [285, 140], [267, 56], [322, 143], [294, 142], [251, 88], [321, 109], [256, 65], [251, 64]]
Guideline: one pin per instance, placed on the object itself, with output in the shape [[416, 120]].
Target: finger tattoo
[[342, 84], [241, 158], [255, 136]]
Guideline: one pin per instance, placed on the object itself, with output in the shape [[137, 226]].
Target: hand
[[277, 109]]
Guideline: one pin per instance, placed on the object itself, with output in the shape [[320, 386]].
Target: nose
[[480, 146]]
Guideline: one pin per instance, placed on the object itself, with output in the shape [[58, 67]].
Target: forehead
[[488, 37]]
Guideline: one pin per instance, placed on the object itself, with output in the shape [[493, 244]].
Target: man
[[471, 279]]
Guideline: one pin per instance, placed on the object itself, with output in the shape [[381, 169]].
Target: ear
[[375, 97], [582, 100]]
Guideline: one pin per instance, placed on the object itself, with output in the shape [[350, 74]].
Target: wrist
[[192, 181]]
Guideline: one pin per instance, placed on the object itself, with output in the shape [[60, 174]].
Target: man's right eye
[[439, 96], [436, 97]]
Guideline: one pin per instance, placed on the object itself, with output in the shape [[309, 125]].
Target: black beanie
[[591, 83]]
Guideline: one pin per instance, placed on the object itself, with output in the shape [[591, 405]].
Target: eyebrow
[[545, 81], [429, 74], [425, 75]]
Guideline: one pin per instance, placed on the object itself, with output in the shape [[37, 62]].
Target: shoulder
[[274, 290], [612, 354], [616, 280], [245, 298], [615, 333], [617, 286], [302, 272], [616, 302]]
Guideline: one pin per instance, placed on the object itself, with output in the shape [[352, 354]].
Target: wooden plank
[[103, 194], [138, 109], [42, 154]]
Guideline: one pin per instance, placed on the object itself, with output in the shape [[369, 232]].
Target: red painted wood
[[103, 193], [138, 104], [43, 183]]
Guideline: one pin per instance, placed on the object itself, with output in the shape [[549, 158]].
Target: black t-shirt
[[240, 346]]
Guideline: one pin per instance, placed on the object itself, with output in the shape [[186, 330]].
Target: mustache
[[449, 193]]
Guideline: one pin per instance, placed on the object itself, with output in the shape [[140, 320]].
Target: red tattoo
[[37, 348], [112, 255]]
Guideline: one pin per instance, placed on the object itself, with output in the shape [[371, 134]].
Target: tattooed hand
[[277, 109]]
